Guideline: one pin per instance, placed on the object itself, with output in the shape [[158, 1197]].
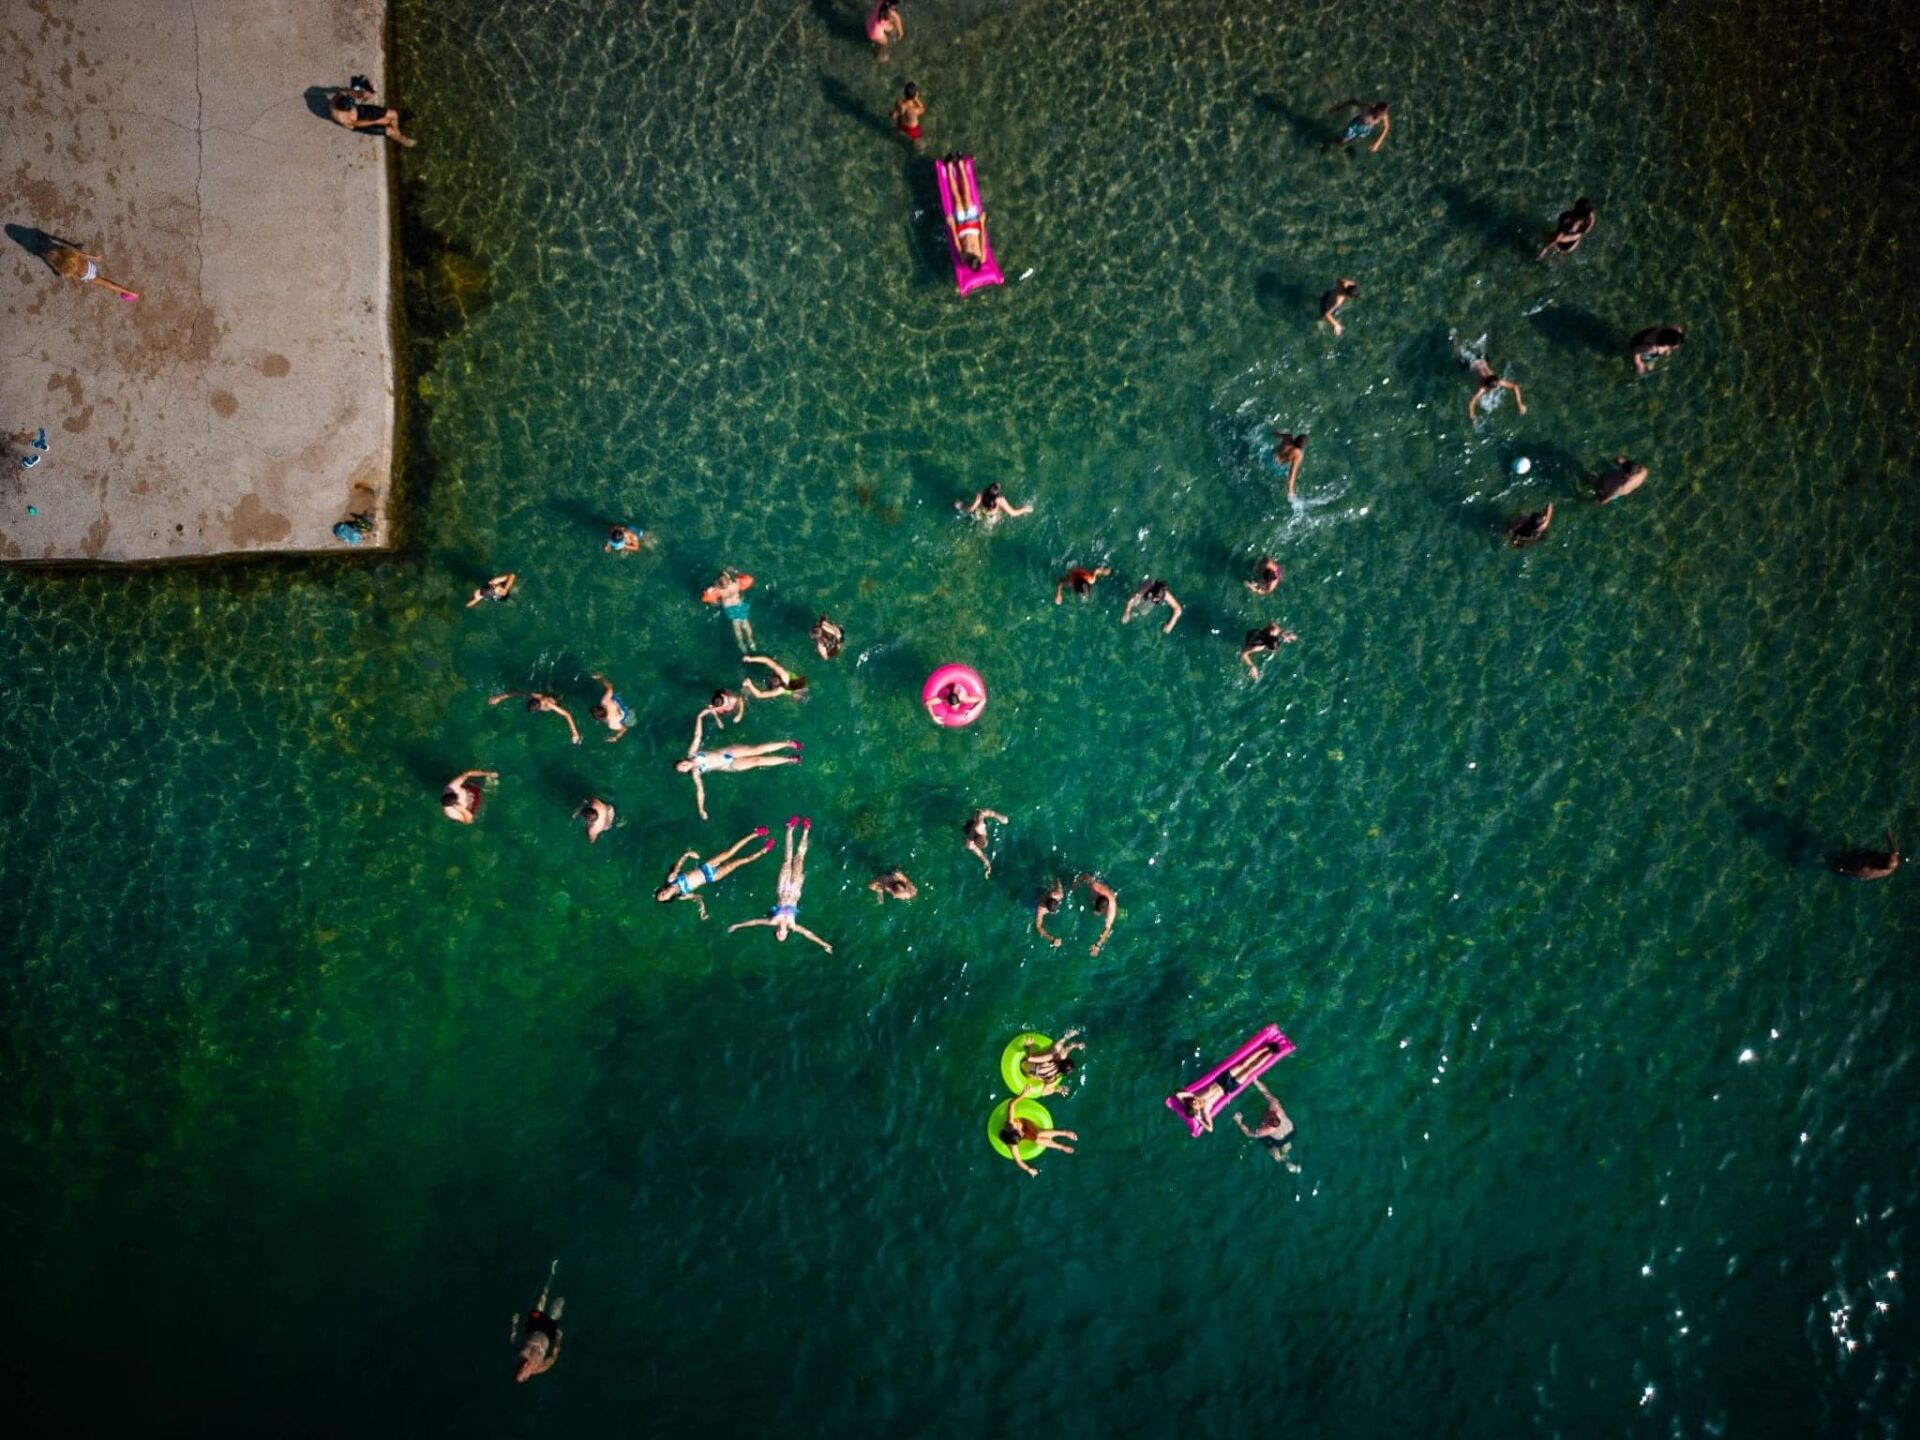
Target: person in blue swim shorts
[[611, 711], [684, 883], [1368, 116]]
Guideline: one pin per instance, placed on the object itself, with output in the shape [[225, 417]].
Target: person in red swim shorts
[[907, 111]]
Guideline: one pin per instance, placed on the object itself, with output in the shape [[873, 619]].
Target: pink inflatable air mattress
[[1271, 1035], [966, 279]]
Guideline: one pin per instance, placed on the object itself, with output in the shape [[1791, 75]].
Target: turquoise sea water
[[1605, 1088]]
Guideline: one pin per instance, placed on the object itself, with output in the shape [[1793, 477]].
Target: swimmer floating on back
[[1081, 582], [785, 918], [1201, 1104], [1574, 226], [729, 593], [991, 505], [541, 1347], [975, 834], [1369, 115], [540, 703], [1267, 576], [1105, 904], [967, 225], [611, 711], [737, 757], [499, 590], [1274, 1129], [1018, 1131], [892, 883], [683, 884], [460, 799], [1152, 592]]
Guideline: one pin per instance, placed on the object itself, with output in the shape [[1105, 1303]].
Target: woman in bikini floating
[[611, 711], [1049, 1066], [785, 917], [967, 225], [1201, 1104], [682, 882], [738, 757]]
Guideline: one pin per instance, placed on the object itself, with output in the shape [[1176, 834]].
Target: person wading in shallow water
[[539, 1342]]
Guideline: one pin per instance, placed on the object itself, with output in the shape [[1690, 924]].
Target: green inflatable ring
[[1015, 1052], [1026, 1110]]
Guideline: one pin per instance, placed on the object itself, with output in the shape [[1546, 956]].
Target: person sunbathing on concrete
[[355, 108]]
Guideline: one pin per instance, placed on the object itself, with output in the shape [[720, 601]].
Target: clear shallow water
[[1605, 1090]]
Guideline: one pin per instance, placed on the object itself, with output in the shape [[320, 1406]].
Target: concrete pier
[[245, 403]]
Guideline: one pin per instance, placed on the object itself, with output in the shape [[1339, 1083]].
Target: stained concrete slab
[[246, 402]]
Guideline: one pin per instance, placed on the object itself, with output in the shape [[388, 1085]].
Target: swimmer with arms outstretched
[[787, 683], [1080, 581], [785, 918], [892, 883], [967, 225], [1046, 903], [1048, 1066], [991, 506], [1369, 116], [1290, 451], [683, 884], [975, 833], [1151, 593], [1573, 226], [1105, 904], [1869, 864], [1626, 477], [1267, 576], [738, 757], [460, 799], [597, 814], [611, 711], [1487, 387], [1330, 303], [499, 590], [1200, 1104], [1018, 1131], [540, 703], [540, 1347], [1275, 1129], [1267, 640]]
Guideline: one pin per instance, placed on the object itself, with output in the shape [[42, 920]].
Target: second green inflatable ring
[[1026, 1110]]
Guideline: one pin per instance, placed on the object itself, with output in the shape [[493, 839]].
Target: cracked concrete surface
[[245, 403]]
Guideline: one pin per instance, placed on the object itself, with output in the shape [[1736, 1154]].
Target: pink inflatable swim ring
[[954, 695]]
